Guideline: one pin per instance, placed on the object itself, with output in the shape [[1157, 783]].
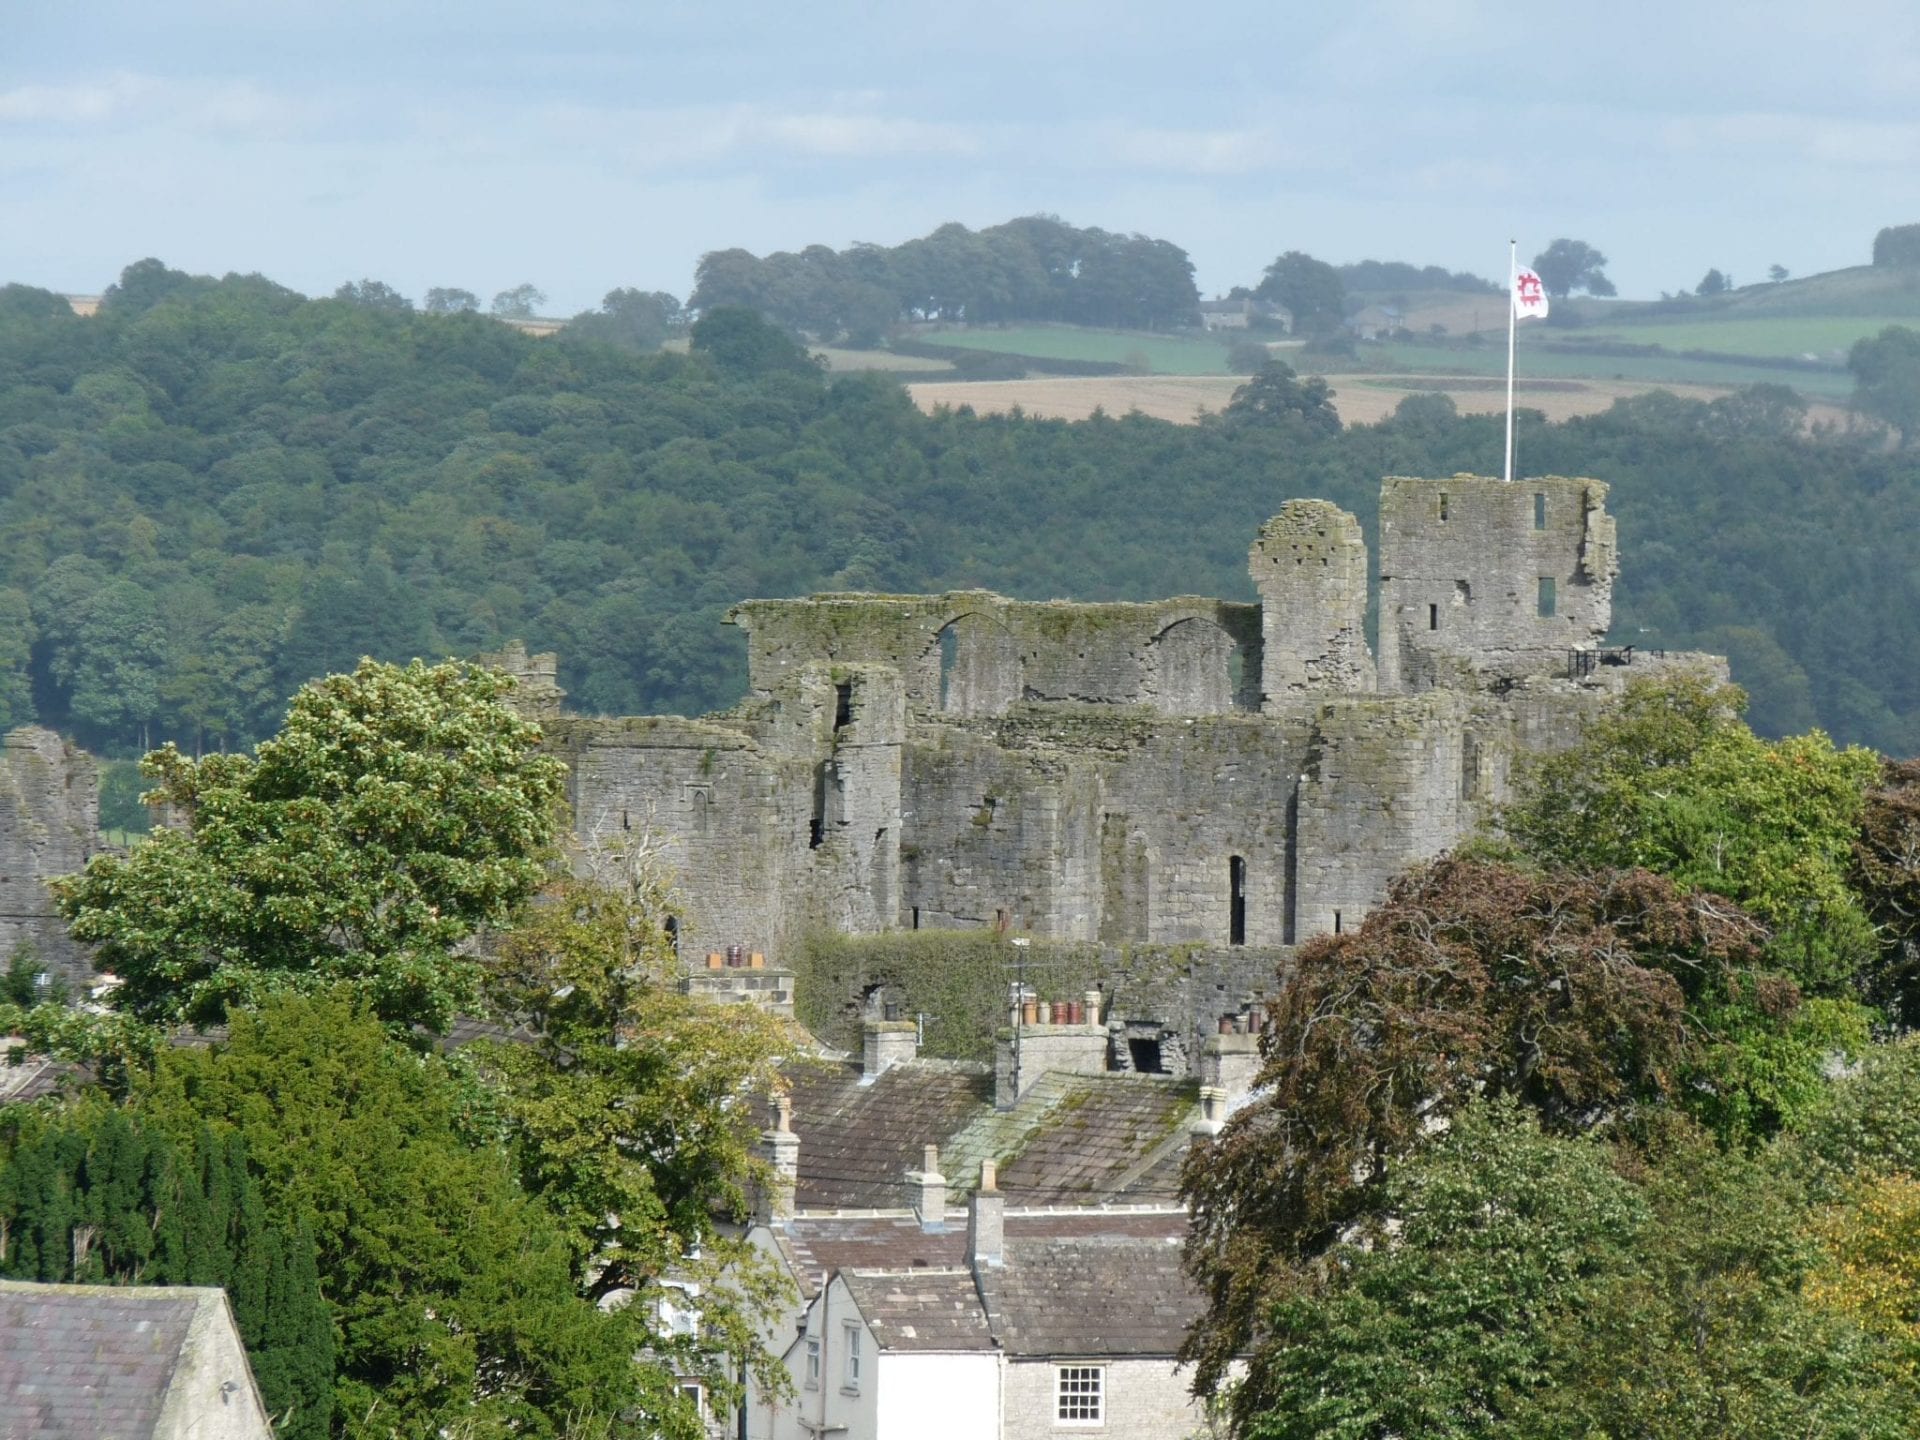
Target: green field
[[846, 361], [1543, 361], [1194, 354], [1821, 337]]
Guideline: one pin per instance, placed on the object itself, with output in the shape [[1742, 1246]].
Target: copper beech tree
[[1570, 994]]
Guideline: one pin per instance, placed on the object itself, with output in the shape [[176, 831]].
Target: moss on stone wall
[[961, 981]]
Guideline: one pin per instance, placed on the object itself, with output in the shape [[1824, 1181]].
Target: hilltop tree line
[[214, 491], [1035, 268]]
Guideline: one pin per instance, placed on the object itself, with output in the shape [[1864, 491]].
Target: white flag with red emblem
[[1529, 296]]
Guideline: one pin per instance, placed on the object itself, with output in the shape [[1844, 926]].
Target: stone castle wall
[[1483, 581], [1186, 773], [1183, 772], [49, 825]]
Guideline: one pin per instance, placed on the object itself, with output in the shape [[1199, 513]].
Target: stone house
[[930, 1306], [1376, 322], [991, 1322], [1241, 314], [102, 1362]]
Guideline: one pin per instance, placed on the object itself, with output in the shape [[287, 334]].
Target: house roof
[[1092, 1283], [921, 1309], [1099, 1139], [858, 1139], [92, 1362], [815, 1246], [1071, 1140], [30, 1077], [1118, 1295]]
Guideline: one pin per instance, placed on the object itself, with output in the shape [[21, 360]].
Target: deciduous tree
[[1671, 779], [1442, 1316], [1569, 993], [1569, 265], [1310, 288], [451, 1288], [627, 1107], [396, 812], [1886, 379], [519, 303], [446, 300]]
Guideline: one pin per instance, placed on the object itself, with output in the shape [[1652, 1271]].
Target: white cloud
[[1808, 139], [1197, 152], [88, 103], [238, 108]]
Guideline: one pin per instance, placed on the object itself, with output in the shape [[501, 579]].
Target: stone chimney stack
[[1213, 1113], [987, 1222], [886, 1043], [931, 1201], [1229, 1065], [775, 1205]]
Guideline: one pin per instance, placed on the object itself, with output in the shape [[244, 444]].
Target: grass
[[1192, 354], [841, 361], [1542, 361], [1823, 337]]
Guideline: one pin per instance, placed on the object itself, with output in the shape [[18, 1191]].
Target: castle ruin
[[1185, 771], [1216, 778]]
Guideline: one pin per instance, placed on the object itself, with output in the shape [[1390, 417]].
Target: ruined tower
[[1309, 564], [1484, 581]]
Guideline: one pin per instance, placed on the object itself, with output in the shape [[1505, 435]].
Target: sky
[[581, 146]]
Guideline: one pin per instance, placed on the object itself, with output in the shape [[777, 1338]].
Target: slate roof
[[82, 1362], [921, 1309], [1111, 1295], [1072, 1139], [1085, 1283], [858, 1141], [817, 1245], [31, 1077], [1099, 1140]]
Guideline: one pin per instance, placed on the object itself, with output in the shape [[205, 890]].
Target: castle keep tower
[[1309, 564], [1482, 581]]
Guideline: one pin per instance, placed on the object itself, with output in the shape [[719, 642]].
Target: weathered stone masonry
[[1185, 771], [49, 826]]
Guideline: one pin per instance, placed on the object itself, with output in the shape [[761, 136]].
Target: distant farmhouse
[[1376, 322], [1241, 314]]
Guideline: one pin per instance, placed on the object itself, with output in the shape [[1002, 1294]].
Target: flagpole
[[1513, 260]]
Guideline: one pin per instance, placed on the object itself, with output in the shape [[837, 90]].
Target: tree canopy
[[1886, 379], [1897, 245], [452, 1289], [396, 812], [1034, 268], [1569, 265], [1310, 288], [625, 1107], [96, 1196]]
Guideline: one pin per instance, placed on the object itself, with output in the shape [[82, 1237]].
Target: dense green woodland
[[213, 491]]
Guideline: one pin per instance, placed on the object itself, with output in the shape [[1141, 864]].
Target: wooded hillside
[[213, 491]]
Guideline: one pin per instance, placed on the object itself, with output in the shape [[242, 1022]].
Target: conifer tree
[[95, 1197]]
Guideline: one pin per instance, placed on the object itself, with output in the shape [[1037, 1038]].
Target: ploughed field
[[1360, 399]]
